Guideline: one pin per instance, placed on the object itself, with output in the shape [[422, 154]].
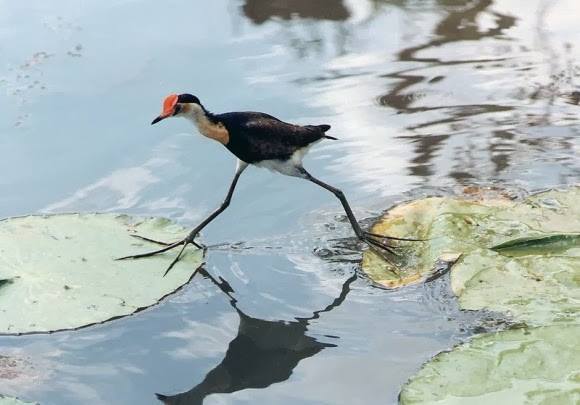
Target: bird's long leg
[[366, 237], [241, 166]]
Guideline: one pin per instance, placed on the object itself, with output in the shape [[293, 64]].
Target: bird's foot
[[189, 239], [371, 239], [377, 244], [163, 243], [381, 250]]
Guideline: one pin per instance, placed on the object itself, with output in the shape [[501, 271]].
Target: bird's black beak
[[166, 113], [156, 120]]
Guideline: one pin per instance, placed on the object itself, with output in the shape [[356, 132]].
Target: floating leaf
[[63, 273], [537, 290], [522, 366], [4, 400], [520, 258], [446, 224]]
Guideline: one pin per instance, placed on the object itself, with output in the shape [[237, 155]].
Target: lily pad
[[59, 271], [522, 258], [538, 290], [449, 227], [520, 366], [4, 400]]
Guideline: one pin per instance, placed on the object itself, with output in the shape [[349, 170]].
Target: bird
[[261, 140]]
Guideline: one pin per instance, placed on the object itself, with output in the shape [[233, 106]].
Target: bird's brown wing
[[257, 136]]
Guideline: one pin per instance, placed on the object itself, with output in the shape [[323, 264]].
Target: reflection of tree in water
[[460, 24], [308, 38], [262, 353], [259, 11]]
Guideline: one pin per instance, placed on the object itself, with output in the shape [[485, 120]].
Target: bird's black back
[[255, 136]]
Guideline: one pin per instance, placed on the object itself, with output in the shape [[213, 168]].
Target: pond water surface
[[426, 97]]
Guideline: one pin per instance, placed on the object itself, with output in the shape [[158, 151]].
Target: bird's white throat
[[197, 116]]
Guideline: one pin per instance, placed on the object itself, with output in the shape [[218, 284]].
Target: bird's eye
[[177, 109]]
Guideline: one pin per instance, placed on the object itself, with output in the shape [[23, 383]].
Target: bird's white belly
[[284, 167], [290, 167]]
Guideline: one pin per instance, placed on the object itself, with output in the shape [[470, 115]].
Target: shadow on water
[[263, 352]]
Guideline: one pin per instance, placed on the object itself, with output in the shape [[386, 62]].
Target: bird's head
[[178, 105]]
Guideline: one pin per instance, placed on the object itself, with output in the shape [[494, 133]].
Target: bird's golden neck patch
[[205, 126]]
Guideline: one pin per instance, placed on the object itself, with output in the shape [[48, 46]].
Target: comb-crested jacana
[[261, 140]]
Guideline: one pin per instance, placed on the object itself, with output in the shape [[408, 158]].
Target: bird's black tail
[[323, 128], [162, 398]]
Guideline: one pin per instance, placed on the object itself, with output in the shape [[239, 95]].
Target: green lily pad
[[521, 258], [521, 366], [448, 226], [537, 290], [4, 400], [59, 271]]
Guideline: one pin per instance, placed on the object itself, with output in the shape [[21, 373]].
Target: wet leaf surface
[[520, 258], [531, 366], [59, 271], [4, 400]]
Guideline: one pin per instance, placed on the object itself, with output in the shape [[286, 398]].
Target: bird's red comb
[[169, 105]]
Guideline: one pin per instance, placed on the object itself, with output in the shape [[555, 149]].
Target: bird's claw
[[380, 248], [376, 235], [168, 243], [158, 242], [371, 240], [189, 239]]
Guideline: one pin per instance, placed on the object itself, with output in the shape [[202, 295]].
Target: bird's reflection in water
[[262, 353]]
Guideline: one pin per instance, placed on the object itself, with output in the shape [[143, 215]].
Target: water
[[425, 96]]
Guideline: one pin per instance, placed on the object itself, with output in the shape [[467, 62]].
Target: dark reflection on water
[[262, 353], [501, 123], [260, 11], [574, 97], [459, 25], [309, 39]]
